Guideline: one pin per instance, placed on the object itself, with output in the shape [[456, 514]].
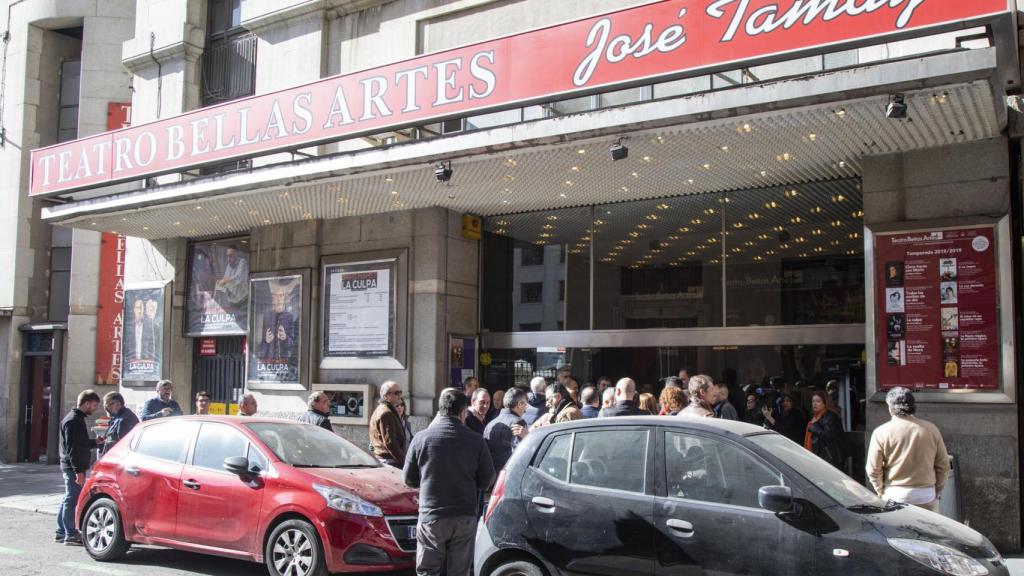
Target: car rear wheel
[[518, 568], [102, 534], [293, 549]]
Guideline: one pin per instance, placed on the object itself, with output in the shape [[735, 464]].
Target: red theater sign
[[652, 42]]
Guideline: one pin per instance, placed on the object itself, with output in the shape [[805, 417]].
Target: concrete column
[[964, 180]]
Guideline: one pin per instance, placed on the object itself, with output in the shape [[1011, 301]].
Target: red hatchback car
[[294, 496]]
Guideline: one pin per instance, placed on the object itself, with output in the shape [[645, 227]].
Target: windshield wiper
[[335, 465], [866, 509], [355, 466], [894, 505], [872, 509]]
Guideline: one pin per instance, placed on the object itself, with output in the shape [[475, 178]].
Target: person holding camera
[[790, 421]]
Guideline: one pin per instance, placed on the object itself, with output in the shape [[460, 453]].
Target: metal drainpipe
[[159, 75]]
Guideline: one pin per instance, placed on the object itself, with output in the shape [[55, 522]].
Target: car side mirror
[[237, 465], [778, 499]]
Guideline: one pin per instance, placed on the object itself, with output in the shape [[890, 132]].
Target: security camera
[[897, 108], [619, 152], [443, 172], [785, 236]]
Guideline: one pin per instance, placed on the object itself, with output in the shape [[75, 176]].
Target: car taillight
[[496, 495]]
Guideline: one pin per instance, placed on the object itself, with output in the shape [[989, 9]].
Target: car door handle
[[543, 502], [131, 470], [191, 484], [681, 526]]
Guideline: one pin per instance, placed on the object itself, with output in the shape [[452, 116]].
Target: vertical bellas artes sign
[[644, 44], [110, 315]]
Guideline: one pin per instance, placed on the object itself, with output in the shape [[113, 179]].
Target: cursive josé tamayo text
[[773, 16]]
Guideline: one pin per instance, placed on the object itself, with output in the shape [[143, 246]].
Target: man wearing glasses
[[202, 402], [121, 422], [387, 433]]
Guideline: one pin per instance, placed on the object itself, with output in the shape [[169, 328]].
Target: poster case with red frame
[[940, 310]]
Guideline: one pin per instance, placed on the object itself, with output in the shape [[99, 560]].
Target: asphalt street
[[27, 549]]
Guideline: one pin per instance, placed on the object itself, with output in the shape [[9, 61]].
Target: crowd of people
[[453, 462], [508, 417]]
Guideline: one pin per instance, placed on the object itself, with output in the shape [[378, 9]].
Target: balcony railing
[[229, 69]]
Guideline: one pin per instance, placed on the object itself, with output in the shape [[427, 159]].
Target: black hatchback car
[[659, 496]]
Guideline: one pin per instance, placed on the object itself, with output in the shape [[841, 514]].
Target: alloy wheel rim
[[293, 553], [99, 529]]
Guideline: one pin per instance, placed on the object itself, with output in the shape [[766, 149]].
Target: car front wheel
[[102, 535], [293, 549]]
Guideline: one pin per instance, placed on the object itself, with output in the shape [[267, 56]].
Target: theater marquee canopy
[[644, 44]]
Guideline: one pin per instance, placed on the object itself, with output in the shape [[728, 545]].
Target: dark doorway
[[221, 374], [37, 410], [40, 398]]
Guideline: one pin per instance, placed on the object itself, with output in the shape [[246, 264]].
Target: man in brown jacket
[[387, 433], [907, 459], [561, 408]]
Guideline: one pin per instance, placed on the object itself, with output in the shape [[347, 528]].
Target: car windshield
[[843, 489], [308, 446]]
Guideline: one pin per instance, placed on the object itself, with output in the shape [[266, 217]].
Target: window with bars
[[229, 64], [229, 61]]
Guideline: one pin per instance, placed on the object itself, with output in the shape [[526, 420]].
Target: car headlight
[[344, 501], [939, 557]]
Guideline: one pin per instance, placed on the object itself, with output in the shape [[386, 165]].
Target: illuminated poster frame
[[878, 331]]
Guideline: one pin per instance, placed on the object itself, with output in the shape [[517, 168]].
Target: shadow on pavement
[[206, 565]]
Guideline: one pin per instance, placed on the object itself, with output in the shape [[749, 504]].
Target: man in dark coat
[[319, 413], [504, 432], [450, 464], [121, 422], [590, 401], [477, 417], [537, 403], [625, 399], [163, 404], [75, 459]]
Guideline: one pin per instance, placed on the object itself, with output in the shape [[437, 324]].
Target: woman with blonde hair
[[648, 405]]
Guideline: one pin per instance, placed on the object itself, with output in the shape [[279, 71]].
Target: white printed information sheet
[[359, 312]]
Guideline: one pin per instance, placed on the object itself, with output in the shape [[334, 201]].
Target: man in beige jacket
[[907, 459], [561, 408]]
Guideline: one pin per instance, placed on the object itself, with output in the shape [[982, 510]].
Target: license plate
[[410, 532]]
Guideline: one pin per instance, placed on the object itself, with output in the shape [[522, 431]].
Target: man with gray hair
[[504, 432], [387, 431], [163, 404], [247, 405], [607, 401], [536, 400], [907, 459], [319, 413]]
